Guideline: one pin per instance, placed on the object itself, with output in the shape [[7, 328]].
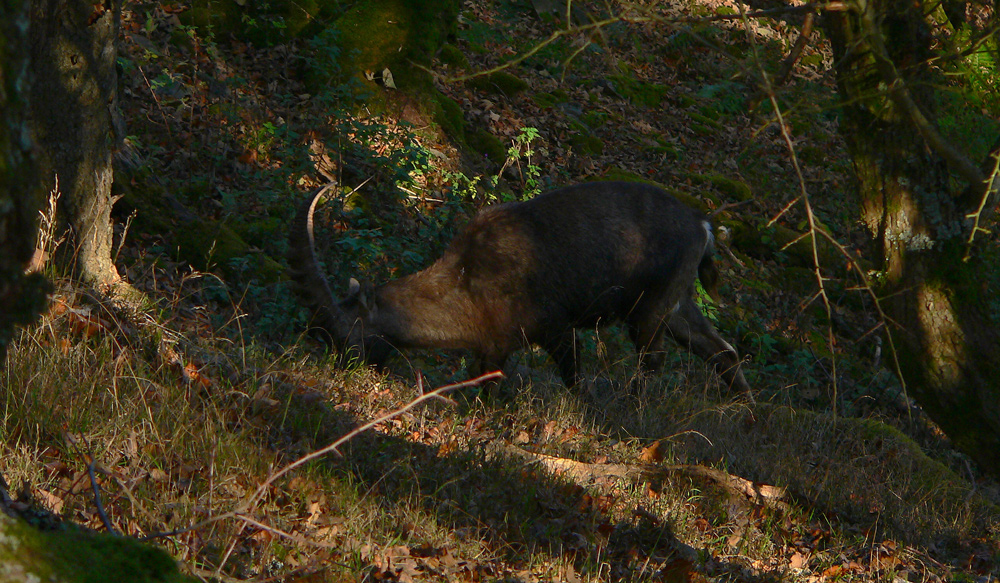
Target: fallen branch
[[589, 474]]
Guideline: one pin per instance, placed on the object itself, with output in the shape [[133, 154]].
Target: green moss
[[74, 556], [664, 148], [550, 99], [595, 119], [260, 23], [500, 82], [213, 245], [814, 60], [450, 117], [708, 116], [487, 144], [203, 243], [452, 55], [393, 34], [790, 243], [703, 130], [684, 100], [586, 143], [640, 92], [627, 176], [813, 155], [734, 188]]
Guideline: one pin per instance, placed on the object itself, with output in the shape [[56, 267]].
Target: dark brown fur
[[532, 272]]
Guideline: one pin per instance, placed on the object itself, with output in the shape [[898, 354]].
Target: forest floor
[[834, 474]]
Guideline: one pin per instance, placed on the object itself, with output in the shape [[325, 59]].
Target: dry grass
[[178, 449]]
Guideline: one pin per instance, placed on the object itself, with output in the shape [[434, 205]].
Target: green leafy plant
[[529, 172]]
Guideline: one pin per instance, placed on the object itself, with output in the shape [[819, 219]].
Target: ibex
[[530, 273]]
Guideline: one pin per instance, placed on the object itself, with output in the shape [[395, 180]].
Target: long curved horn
[[310, 282]]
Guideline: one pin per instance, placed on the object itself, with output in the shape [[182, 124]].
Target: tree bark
[[73, 106], [938, 289], [21, 297]]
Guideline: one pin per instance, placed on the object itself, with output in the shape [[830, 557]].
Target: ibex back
[[530, 273]]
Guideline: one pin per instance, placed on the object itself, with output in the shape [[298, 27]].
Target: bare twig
[[283, 534], [435, 394], [97, 499], [556, 35], [727, 206], [804, 196], [91, 464], [793, 56], [242, 509], [988, 194]]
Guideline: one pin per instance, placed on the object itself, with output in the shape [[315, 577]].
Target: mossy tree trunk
[[921, 197], [21, 297], [73, 106]]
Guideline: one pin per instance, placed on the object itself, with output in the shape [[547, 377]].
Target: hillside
[[186, 417]]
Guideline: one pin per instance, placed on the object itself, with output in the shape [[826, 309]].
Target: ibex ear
[[356, 290]]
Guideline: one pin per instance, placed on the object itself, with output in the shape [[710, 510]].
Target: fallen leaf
[[797, 561], [50, 500], [653, 453]]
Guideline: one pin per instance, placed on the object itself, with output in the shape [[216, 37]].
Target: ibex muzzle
[[531, 272]]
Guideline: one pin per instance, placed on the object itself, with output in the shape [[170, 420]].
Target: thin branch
[[985, 200], [793, 56], [196, 526], [435, 394], [556, 35], [585, 474], [97, 499], [643, 17], [241, 510], [782, 212], [288, 535], [804, 195]]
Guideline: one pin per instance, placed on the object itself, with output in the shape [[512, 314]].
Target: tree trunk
[[21, 297], [73, 105], [938, 291]]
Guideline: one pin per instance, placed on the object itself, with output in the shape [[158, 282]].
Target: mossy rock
[[586, 143], [401, 36], [453, 56], [500, 82], [730, 186], [393, 34], [260, 23], [449, 115], [213, 245], [76, 556], [487, 144], [203, 243], [550, 99], [640, 92]]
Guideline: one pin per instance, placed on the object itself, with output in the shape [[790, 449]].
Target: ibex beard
[[531, 273]]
